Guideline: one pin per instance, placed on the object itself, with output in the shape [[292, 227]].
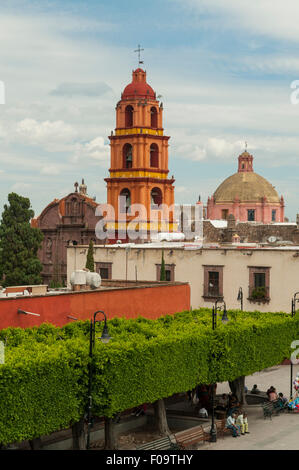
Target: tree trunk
[[237, 387], [36, 444], [110, 438], [160, 418], [78, 433]]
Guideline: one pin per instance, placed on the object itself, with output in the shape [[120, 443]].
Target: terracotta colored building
[[246, 195], [139, 162], [65, 222], [117, 298]]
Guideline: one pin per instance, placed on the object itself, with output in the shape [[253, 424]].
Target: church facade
[[69, 221]]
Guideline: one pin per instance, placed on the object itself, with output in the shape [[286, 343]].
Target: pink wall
[[263, 213]]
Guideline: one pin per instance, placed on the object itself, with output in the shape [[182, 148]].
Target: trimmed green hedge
[[43, 383]]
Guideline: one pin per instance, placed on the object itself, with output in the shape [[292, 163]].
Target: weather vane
[[245, 146], [139, 50]]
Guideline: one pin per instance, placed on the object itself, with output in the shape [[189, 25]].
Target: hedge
[[43, 383]]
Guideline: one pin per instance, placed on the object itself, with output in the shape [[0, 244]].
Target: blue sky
[[223, 68]]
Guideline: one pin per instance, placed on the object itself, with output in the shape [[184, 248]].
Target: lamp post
[[224, 320], [105, 339], [240, 297], [294, 300]]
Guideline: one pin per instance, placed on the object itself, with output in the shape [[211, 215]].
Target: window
[[156, 198], [259, 284], [154, 118], [127, 156], [251, 215], [224, 213], [154, 156], [213, 282], [104, 270], [129, 116], [124, 201], [169, 271], [273, 215]]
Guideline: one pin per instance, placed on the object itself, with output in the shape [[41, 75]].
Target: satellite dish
[[272, 239]]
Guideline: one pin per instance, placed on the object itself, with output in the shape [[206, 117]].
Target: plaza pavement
[[280, 433]]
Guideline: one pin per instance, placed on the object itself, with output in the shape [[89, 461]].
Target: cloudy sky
[[224, 69]]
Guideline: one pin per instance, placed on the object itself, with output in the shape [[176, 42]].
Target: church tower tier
[[139, 161]]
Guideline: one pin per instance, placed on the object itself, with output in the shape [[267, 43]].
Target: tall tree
[[162, 272], [90, 259], [19, 244]]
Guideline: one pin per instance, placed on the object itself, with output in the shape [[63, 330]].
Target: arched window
[[127, 155], [154, 155], [154, 118], [129, 116], [156, 197], [125, 201]]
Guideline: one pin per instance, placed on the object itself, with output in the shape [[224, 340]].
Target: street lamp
[[224, 320], [240, 297], [105, 339], [294, 300]]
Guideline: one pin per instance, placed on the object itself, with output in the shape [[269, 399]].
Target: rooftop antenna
[[139, 50]]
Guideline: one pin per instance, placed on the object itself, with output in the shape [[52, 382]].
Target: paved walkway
[[280, 433]]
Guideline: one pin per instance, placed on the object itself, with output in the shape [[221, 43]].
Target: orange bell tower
[[139, 163]]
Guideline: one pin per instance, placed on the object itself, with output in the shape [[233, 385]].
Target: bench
[[270, 408], [165, 443], [191, 436], [221, 428]]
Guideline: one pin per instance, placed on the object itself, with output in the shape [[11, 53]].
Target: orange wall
[[149, 302]]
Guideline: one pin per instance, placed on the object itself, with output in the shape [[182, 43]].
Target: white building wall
[[284, 272]]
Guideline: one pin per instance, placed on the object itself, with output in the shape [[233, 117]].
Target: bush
[[44, 380]]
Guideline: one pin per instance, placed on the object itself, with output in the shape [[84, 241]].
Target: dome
[[247, 187], [138, 88]]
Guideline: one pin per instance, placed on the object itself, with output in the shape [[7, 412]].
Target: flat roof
[[194, 246]]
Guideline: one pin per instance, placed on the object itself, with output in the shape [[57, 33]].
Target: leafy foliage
[[162, 272], [90, 259], [43, 382], [19, 243]]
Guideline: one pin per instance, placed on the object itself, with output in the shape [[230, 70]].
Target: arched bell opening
[[127, 156]]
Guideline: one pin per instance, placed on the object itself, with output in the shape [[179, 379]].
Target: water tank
[[94, 280], [78, 278]]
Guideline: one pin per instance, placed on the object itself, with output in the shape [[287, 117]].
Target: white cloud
[[272, 18], [21, 187], [46, 134], [50, 170], [81, 89], [95, 150]]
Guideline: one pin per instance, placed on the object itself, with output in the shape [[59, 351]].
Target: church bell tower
[[139, 163]]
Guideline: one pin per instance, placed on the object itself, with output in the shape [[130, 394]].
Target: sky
[[225, 70]]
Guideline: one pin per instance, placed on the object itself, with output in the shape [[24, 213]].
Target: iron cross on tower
[[139, 50]]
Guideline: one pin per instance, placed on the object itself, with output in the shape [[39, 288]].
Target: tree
[[162, 272], [90, 260], [19, 243]]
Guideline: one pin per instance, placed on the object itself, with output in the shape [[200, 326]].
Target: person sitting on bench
[[255, 390], [231, 424], [222, 404], [242, 422]]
